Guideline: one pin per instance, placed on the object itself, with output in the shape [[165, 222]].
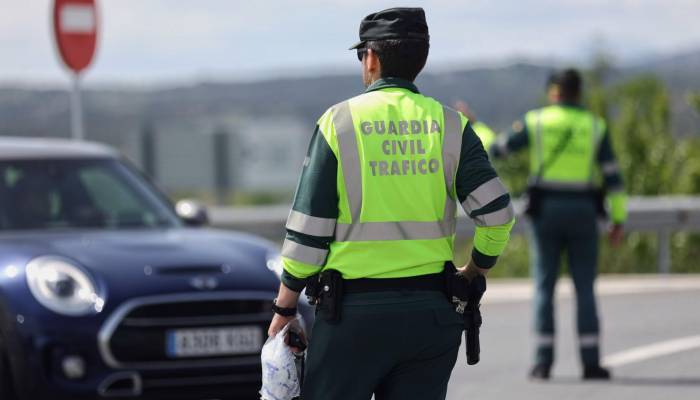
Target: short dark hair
[[400, 58], [569, 82]]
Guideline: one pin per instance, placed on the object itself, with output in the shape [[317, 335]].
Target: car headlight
[[63, 287], [274, 264]]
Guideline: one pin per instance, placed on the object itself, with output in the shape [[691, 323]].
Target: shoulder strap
[[558, 150]]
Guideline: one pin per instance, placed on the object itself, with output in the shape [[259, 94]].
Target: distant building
[[261, 155]]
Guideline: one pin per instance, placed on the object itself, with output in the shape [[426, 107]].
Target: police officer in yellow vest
[[377, 202], [569, 151], [483, 131]]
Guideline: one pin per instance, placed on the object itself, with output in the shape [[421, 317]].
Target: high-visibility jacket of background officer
[[575, 169], [570, 154]]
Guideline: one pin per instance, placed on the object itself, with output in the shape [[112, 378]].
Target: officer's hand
[[279, 322], [471, 271], [616, 235]]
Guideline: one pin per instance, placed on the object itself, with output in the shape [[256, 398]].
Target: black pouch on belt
[[331, 295]]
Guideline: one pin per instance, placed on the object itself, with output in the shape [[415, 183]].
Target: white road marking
[[518, 290], [653, 350]]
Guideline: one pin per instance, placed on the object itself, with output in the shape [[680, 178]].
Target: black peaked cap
[[394, 23]]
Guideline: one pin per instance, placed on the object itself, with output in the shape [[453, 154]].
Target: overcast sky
[[161, 41]]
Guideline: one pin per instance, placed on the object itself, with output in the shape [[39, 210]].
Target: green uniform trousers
[[567, 224], [395, 345]]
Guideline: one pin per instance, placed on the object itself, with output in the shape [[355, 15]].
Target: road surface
[[651, 335]]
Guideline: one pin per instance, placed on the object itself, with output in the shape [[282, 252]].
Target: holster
[[313, 289], [466, 296], [330, 297]]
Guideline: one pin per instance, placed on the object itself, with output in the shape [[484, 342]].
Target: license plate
[[213, 341]]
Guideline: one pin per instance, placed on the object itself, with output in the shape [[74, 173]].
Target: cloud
[[183, 39]]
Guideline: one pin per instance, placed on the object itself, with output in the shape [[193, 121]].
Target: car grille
[[137, 337], [214, 384]]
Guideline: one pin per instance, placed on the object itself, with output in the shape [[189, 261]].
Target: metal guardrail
[[661, 215]]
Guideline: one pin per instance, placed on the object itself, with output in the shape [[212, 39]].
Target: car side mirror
[[192, 213]]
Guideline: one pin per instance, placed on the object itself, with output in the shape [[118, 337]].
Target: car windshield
[[59, 194]]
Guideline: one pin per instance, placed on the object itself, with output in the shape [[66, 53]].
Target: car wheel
[[7, 391]]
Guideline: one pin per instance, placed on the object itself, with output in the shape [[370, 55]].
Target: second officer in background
[[483, 131], [569, 148]]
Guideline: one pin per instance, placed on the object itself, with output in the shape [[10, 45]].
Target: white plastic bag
[[279, 371]]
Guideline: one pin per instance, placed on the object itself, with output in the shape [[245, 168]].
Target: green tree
[[694, 100], [654, 163]]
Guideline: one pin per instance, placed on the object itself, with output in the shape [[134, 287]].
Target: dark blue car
[[106, 291]]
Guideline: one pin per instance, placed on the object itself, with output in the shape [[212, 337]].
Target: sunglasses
[[361, 53]]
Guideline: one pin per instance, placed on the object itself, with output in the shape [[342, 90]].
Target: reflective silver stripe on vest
[[304, 254], [450, 208], [559, 185], [399, 230], [483, 195], [309, 225], [594, 148], [538, 142], [500, 217], [349, 157], [451, 147]]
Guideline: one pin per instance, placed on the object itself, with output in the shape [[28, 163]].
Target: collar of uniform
[[386, 83]]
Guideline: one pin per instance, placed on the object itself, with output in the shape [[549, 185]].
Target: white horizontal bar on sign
[[77, 18]]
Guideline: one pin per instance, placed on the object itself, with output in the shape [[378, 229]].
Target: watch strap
[[283, 311]]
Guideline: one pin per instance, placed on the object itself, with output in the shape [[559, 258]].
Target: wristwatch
[[283, 311]]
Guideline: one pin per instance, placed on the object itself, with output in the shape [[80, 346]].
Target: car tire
[[7, 391]]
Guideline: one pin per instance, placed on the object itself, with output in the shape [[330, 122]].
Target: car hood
[[153, 261]]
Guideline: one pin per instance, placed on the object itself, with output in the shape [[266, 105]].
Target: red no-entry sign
[[75, 28]]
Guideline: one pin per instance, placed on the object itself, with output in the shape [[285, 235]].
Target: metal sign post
[[76, 110], [75, 30]]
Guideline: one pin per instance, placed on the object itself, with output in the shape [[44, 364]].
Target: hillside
[[498, 95]]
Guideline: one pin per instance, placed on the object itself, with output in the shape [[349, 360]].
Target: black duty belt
[[433, 282]]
